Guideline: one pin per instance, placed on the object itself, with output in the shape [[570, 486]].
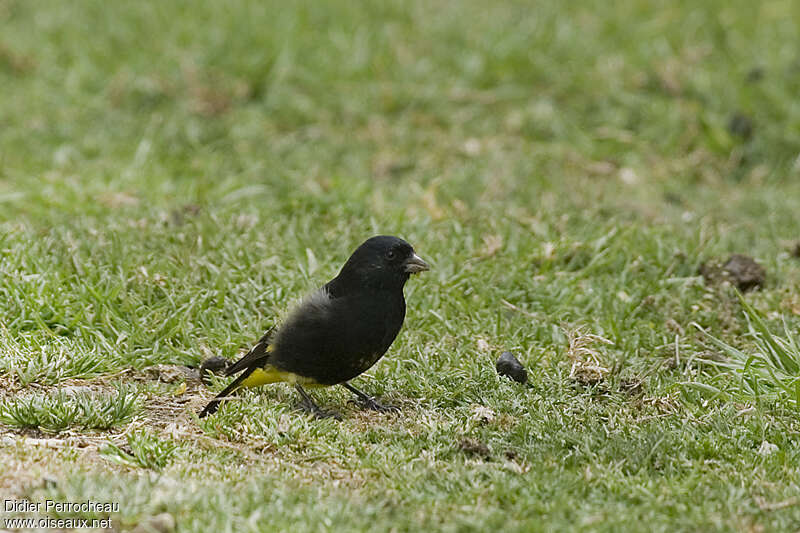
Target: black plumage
[[338, 331]]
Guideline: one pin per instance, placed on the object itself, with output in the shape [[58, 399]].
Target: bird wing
[[256, 357]]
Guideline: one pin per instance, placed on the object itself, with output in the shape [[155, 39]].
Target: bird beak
[[416, 264]]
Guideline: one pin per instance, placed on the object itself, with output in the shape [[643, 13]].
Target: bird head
[[382, 261]]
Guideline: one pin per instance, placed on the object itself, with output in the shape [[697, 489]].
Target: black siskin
[[338, 331]]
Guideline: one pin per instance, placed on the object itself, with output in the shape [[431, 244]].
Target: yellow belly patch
[[270, 374]]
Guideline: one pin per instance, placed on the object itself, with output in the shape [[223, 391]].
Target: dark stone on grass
[[473, 446], [741, 125], [745, 273], [509, 366], [740, 270], [214, 365], [795, 250]]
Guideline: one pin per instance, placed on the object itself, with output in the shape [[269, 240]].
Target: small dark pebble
[[474, 447], [508, 365], [745, 272], [795, 250], [741, 125], [740, 270], [213, 365]]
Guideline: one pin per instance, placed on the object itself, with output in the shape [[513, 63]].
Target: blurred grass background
[[174, 174]]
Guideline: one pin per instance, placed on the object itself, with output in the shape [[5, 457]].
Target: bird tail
[[246, 365], [213, 405]]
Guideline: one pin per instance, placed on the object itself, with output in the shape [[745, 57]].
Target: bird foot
[[374, 405], [318, 413]]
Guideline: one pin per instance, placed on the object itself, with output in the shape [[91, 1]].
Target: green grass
[[61, 410], [175, 175], [772, 370], [142, 450]]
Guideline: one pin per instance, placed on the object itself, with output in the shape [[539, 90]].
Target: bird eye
[[390, 254]]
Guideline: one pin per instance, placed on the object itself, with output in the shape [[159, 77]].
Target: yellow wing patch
[[270, 374]]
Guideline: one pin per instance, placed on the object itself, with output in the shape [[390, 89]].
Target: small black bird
[[338, 331]]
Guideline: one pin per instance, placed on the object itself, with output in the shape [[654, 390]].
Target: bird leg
[[368, 402], [308, 405]]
